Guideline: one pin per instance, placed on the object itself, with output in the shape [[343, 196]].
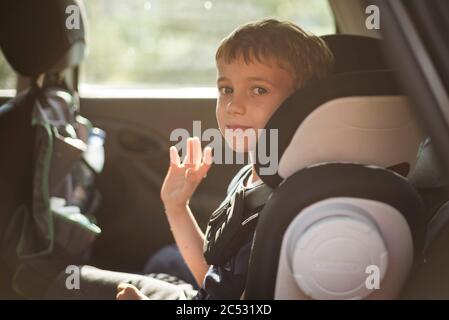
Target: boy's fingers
[[207, 156], [196, 152], [174, 157], [122, 286], [188, 160], [191, 153], [186, 157], [206, 163], [203, 170]]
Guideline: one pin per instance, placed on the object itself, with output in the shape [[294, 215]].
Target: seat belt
[[234, 221]]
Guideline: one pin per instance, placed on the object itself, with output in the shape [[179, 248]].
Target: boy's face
[[248, 95]]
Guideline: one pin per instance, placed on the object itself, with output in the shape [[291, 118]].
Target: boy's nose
[[236, 106]]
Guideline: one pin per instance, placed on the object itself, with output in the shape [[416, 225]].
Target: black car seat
[[49, 153], [429, 180], [430, 279], [343, 221]]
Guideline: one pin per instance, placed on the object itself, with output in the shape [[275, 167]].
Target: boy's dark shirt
[[228, 281]]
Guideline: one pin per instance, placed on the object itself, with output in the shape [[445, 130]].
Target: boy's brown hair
[[293, 49]]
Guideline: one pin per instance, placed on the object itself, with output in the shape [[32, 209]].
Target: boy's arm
[[189, 239], [180, 183]]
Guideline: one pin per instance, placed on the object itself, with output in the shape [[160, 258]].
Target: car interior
[[362, 176]]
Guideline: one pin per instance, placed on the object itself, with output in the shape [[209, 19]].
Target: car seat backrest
[[430, 279], [48, 220]]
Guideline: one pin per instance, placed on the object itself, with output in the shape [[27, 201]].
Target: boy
[[259, 65]]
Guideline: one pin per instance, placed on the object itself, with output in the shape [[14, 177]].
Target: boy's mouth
[[236, 127]]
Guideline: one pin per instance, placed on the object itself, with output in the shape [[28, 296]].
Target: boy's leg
[[98, 284], [168, 260]]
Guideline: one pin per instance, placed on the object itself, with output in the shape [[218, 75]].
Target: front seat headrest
[[34, 36]]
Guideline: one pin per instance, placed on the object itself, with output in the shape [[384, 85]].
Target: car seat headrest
[[34, 36], [352, 117], [354, 53]]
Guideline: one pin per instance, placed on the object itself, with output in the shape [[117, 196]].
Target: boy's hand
[[127, 291], [183, 178]]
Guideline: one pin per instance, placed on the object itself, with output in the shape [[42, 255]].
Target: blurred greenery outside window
[[170, 44]]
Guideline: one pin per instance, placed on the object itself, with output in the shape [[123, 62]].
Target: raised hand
[[182, 179]]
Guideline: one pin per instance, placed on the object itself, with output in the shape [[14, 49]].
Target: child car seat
[[343, 221]]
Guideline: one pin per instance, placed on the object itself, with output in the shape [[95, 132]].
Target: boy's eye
[[225, 90], [259, 91]]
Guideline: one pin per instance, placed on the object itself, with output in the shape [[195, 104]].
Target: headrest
[[353, 117], [355, 53], [35, 39]]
